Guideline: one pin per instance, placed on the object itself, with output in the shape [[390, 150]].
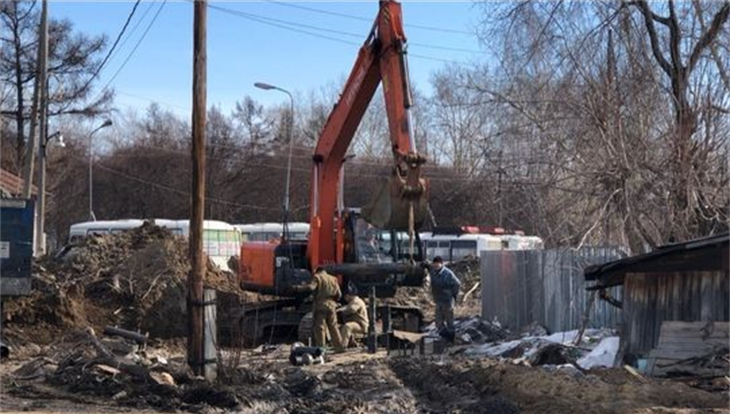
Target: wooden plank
[[668, 340], [677, 354]]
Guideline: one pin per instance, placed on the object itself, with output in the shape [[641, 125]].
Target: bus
[[220, 239], [272, 231], [456, 244]]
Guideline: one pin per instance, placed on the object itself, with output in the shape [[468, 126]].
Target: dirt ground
[[62, 363], [357, 382]]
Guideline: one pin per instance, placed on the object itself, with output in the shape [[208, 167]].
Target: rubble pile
[[135, 280], [120, 371], [707, 372], [475, 330], [598, 349]]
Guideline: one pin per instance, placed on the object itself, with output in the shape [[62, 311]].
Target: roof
[[703, 254], [12, 184]]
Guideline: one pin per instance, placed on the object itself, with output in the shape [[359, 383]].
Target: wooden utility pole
[[38, 98], [195, 279]]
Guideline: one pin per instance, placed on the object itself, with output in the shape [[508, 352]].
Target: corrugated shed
[[545, 286]]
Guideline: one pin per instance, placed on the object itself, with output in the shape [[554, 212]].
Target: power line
[[175, 190], [306, 29], [282, 26], [150, 5], [353, 17], [114, 46], [134, 49], [306, 170]]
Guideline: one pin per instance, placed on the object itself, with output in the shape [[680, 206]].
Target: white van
[[220, 239]]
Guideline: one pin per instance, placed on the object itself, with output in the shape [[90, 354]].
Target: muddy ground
[[357, 382]]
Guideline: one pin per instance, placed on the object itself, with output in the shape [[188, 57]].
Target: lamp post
[[92, 217], [40, 247], [267, 87]]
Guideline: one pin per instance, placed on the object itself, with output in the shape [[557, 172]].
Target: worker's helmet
[[438, 259]]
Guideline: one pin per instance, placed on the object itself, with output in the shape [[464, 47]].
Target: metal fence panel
[[545, 286]]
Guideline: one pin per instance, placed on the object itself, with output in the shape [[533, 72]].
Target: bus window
[[463, 248], [442, 250]]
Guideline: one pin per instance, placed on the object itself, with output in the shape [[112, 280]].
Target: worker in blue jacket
[[445, 289]]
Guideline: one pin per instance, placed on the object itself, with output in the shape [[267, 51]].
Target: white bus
[[272, 231], [458, 244], [220, 239]]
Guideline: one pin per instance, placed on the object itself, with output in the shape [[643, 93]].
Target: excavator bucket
[[394, 205]]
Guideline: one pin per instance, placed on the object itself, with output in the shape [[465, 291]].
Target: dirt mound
[[135, 280], [487, 386]]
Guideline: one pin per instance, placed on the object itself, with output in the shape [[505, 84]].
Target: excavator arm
[[401, 203]]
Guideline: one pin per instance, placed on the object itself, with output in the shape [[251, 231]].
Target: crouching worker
[[354, 318]]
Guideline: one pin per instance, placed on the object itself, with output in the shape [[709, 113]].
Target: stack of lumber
[[693, 349]]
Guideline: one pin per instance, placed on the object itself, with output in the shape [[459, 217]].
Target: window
[[438, 248], [463, 248]]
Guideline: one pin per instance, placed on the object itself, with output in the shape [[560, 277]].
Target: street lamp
[[41, 216], [267, 87], [92, 217]]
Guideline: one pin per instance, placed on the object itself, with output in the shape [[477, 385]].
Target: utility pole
[[40, 245], [195, 279], [38, 99]]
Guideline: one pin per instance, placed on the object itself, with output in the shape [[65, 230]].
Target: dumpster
[[16, 245]]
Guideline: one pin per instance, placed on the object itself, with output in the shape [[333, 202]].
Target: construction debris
[[133, 281]]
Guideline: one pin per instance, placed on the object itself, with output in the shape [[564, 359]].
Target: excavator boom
[[401, 203]]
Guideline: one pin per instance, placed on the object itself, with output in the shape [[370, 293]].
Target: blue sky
[[242, 51]]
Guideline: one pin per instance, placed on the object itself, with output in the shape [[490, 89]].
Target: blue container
[[16, 245]]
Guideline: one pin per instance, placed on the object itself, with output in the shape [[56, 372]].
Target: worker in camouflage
[[326, 293], [354, 317]]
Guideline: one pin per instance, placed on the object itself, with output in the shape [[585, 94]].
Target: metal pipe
[[92, 217]]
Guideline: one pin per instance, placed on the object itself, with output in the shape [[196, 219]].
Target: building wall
[[545, 286], [651, 298]]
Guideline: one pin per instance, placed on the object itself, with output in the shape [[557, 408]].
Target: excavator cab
[[365, 243]]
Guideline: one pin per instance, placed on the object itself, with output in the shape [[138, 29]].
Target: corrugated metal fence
[[544, 286]]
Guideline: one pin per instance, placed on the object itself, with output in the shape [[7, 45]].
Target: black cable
[[350, 16], [129, 56], [277, 22], [114, 46]]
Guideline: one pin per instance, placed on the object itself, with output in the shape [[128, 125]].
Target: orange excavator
[[376, 248]]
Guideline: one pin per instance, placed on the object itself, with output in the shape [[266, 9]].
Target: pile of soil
[[135, 280]]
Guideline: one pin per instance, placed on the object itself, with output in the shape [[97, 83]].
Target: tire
[[305, 329]]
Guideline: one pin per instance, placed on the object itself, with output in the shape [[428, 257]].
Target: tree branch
[[651, 29], [710, 35]]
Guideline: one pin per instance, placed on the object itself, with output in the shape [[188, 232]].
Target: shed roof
[[703, 254], [12, 184]]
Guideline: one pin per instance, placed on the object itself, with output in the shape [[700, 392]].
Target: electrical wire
[[307, 29], [353, 17], [323, 29], [175, 190], [134, 49], [114, 46]]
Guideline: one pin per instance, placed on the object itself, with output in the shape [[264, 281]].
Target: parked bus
[[454, 244], [272, 231], [220, 239]]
